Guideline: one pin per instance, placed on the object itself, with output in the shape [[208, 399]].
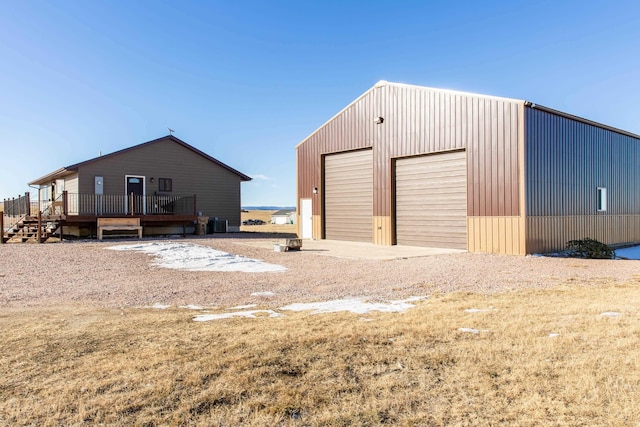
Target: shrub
[[589, 248]]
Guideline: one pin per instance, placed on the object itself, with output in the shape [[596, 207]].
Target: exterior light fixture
[[315, 190], [152, 179], [379, 120]]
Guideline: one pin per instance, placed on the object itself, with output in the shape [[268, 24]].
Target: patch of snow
[[159, 306], [192, 257], [242, 307], [479, 310], [263, 294], [632, 253], [194, 307], [247, 314], [553, 335], [611, 314], [353, 305], [473, 331]]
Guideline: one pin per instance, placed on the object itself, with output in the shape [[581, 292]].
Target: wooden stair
[[26, 230]]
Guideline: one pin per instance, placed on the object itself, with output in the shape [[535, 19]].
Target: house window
[[602, 199], [165, 184]]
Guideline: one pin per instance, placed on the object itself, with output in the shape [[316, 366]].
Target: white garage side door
[[306, 219], [431, 200], [348, 196]]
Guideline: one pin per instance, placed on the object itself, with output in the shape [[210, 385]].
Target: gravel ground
[[84, 272]]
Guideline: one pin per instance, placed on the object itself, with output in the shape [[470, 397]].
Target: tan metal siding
[[431, 200], [551, 233], [217, 189], [495, 234], [348, 195]]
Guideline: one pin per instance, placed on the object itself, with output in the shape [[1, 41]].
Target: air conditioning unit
[[220, 225]]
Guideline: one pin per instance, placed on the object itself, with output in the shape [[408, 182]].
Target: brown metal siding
[[421, 121], [348, 196], [566, 161], [351, 129], [217, 189], [431, 200]]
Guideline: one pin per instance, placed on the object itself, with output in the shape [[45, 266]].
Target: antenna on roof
[[171, 131]]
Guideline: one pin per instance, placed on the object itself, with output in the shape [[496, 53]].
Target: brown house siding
[[217, 189], [420, 121], [566, 161]]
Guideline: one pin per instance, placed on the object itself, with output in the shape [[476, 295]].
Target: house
[[283, 216], [166, 182], [412, 165]]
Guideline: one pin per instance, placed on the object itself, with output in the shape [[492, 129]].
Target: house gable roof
[[68, 170]]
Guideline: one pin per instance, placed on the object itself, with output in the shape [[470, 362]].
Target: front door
[[135, 194]]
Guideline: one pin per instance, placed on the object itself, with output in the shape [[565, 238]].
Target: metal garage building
[[418, 166]]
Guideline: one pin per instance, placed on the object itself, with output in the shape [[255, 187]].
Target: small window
[[165, 184], [602, 199]]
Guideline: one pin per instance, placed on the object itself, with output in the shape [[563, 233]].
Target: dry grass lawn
[[268, 227], [77, 366]]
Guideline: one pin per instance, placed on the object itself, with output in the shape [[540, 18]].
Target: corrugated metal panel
[[431, 200], [348, 196], [421, 121], [495, 234], [567, 160], [550, 234], [352, 129]]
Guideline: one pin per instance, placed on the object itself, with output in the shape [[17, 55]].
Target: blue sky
[[246, 81]]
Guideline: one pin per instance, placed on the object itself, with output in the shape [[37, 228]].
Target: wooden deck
[[82, 211]]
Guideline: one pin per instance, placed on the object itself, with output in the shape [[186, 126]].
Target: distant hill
[[268, 208]]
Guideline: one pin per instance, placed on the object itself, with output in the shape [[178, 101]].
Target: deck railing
[[17, 207], [122, 204], [13, 210]]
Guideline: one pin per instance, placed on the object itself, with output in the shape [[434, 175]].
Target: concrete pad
[[360, 250]]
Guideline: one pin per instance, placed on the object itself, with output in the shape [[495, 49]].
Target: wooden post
[[65, 202], [39, 234], [131, 200], [2, 228], [28, 202], [195, 205]]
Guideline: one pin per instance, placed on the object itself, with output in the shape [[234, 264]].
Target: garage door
[[431, 201], [348, 196]]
